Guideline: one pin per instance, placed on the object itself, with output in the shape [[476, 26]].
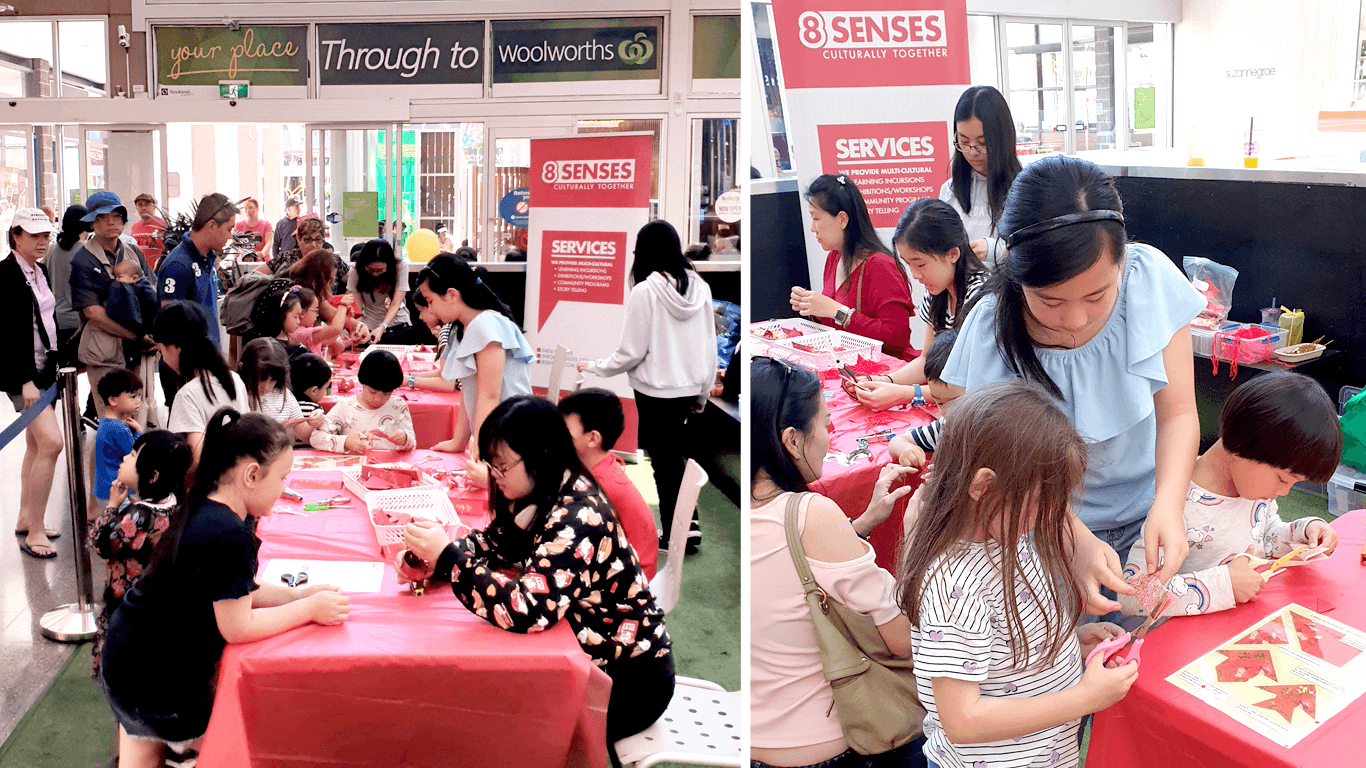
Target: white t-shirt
[[193, 406], [963, 635], [373, 305], [279, 404]]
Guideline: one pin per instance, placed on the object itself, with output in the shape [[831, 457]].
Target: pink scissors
[[1126, 648]]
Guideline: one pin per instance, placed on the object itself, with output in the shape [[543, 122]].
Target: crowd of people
[[173, 503], [1062, 472]]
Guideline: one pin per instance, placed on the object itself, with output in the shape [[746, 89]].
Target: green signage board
[[360, 214], [563, 50], [204, 56], [716, 47], [234, 89], [1145, 108]]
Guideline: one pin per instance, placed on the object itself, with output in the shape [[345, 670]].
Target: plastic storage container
[[825, 351], [426, 503], [1202, 341], [1232, 344], [1346, 491]]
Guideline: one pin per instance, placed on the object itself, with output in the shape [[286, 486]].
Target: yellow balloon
[[422, 246]]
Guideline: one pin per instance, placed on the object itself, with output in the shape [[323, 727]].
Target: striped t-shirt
[[962, 635], [975, 282], [927, 436]]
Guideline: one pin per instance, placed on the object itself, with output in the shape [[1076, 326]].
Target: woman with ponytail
[[199, 593], [865, 290], [1102, 325], [490, 357]]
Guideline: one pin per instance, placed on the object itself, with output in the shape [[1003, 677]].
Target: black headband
[[1033, 230]]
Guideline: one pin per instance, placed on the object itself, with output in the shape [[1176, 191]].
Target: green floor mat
[[70, 725]]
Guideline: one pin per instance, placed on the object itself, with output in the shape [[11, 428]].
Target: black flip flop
[[50, 534], [31, 552]]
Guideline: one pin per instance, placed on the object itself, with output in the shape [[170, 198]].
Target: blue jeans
[[1121, 540]]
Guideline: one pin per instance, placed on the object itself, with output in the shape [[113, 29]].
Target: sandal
[[51, 534], [31, 552]]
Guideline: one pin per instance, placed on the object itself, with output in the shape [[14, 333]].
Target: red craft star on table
[[1273, 632], [1243, 666], [1321, 641], [1285, 698]]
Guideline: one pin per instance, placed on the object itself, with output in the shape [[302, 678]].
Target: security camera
[[230, 24], [125, 39]]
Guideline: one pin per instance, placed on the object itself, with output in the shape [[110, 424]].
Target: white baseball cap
[[33, 221]]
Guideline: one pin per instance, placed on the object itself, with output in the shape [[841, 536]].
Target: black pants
[[641, 689], [663, 435], [910, 755], [403, 333]]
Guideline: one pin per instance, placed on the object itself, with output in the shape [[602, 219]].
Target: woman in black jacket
[[27, 302]]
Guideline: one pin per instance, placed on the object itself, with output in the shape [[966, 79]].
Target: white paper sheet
[[351, 576]]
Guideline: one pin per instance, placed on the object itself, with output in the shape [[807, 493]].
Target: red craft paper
[[1286, 698], [1242, 666], [382, 477], [1323, 642]]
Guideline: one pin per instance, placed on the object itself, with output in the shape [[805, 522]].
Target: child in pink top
[[307, 331]]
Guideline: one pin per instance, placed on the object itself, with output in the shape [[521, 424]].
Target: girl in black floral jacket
[[125, 534], [555, 549]]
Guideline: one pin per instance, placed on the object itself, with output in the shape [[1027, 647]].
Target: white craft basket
[[807, 327], [825, 351], [351, 481], [424, 503]]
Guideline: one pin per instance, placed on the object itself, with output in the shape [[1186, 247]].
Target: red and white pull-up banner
[[871, 86], [590, 195]]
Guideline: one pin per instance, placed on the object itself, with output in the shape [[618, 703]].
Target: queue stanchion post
[[74, 622]]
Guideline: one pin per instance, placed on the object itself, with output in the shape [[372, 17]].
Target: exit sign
[[233, 89]]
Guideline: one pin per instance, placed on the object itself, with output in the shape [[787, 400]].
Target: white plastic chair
[[668, 579], [557, 363], [701, 727]]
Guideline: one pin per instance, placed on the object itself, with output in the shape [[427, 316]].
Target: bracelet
[[889, 378], [412, 382]]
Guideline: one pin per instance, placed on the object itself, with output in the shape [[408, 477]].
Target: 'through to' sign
[[401, 54], [575, 49]]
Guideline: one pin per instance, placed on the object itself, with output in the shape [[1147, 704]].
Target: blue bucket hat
[[103, 202]]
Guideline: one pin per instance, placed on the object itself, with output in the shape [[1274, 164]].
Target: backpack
[[241, 300], [1354, 432]]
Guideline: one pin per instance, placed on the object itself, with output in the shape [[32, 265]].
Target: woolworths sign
[[575, 49]]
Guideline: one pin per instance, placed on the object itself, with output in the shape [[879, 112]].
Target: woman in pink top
[[792, 716], [254, 224]]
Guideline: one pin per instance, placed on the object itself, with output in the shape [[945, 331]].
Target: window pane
[[1034, 67], [82, 45], [714, 151], [26, 51], [716, 47], [772, 95], [1094, 84]]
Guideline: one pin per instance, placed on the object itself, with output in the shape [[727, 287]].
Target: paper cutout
[[1287, 698], [1272, 632], [325, 461], [1151, 593], [1323, 642], [1242, 666]]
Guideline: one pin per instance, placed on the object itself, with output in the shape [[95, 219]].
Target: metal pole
[[74, 622]]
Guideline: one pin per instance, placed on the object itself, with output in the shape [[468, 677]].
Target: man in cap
[[102, 347], [148, 229], [284, 241], [188, 273]]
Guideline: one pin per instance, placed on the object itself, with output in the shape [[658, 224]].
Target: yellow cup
[[1249, 161]]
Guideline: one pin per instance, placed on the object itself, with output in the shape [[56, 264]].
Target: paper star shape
[[1286, 698], [1273, 632], [1243, 666]]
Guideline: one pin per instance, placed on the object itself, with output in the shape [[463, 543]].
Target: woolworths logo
[[637, 50]]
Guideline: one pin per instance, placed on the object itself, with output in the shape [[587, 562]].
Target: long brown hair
[[315, 272], [1019, 433]]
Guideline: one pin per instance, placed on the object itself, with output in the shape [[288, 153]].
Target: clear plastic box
[[1256, 350], [825, 351], [1346, 491]]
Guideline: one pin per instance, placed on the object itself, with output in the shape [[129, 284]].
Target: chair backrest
[[668, 581], [557, 363]]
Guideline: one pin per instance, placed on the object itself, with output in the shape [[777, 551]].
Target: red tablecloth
[[434, 413], [851, 487], [406, 681], [1160, 724]]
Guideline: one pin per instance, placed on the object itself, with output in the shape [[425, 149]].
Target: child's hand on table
[[906, 452], [878, 395], [448, 446], [1321, 534], [397, 437], [1102, 687], [357, 443], [330, 606], [1247, 583], [316, 419], [1095, 633]]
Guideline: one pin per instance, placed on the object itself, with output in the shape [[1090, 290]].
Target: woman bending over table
[[569, 559], [865, 289], [1103, 326]]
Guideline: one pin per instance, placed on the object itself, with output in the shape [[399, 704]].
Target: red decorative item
[[384, 477], [1243, 666], [345, 385], [1287, 698], [413, 571]]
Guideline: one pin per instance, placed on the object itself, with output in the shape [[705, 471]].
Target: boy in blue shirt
[[187, 273], [121, 391]]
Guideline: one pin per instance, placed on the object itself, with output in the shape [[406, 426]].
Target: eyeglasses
[[500, 472], [976, 149], [311, 239]]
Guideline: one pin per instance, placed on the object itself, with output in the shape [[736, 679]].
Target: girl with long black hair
[[201, 589], [377, 283], [983, 168], [205, 381], [668, 353], [490, 358], [865, 289], [569, 556]]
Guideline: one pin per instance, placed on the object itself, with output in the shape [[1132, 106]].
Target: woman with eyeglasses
[[983, 168], [865, 289], [668, 353], [556, 550], [792, 716]]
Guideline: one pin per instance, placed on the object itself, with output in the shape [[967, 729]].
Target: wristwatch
[[412, 382], [843, 315], [919, 399]]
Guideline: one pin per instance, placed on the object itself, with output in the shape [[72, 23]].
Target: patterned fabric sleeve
[[956, 632], [331, 436], [1276, 537]]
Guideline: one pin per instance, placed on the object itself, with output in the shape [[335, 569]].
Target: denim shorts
[[141, 727], [1121, 540]]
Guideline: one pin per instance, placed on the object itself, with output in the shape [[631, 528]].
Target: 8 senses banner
[[893, 164]]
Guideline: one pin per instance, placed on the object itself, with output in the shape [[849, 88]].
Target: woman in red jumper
[[865, 289]]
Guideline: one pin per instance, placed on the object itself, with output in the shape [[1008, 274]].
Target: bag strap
[[840, 654], [794, 545]]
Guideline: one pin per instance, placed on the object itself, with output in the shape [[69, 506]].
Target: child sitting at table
[[121, 391], [126, 535], [595, 420], [310, 378], [986, 580], [265, 372], [909, 447], [305, 330], [165, 640], [1274, 431], [372, 418]]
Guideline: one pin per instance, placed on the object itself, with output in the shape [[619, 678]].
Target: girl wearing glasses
[[865, 289], [983, 168], [556, 550], [791, 703]]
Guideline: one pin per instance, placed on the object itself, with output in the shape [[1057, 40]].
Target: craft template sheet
[[350, 576], [1283, 677]]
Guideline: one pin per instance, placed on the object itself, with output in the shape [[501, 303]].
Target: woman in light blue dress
[[1103, 325], [489, 355]]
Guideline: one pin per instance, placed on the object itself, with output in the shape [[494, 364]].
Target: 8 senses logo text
[[872, 29], [589, 171]]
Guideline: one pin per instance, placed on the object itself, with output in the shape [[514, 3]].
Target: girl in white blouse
[[983, 168]]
